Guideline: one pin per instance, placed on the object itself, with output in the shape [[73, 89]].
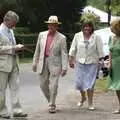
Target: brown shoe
[[19, 115], [52, 108], [5, 116]]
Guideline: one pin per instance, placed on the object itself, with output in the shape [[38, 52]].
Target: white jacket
[[83, 55]]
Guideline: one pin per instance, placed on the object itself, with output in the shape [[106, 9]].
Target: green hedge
[[27, 40], [21, 30], [69, 39]]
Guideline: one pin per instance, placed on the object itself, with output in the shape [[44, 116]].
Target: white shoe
[[116, 111], [91, 107], [80, 104]]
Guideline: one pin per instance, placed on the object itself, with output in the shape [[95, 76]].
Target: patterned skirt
[[85, 76]]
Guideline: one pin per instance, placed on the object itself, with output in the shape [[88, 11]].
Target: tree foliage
[[89, 16], [115, 7], [33, 13], [103, 5], [100, 4]]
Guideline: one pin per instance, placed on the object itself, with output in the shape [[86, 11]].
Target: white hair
[[11, 15]]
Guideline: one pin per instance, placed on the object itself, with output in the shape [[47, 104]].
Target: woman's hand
[[71, 64], [71, 61], [109, 65]]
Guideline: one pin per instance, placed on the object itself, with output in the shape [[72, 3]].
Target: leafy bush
[[90, 16], [26, 38], [69, 39], [29, 41], [21, 30]]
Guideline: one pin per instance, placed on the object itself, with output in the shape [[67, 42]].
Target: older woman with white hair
[[9, 71], [114, 61]]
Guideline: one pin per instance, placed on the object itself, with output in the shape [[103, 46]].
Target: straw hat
[[53, 19]]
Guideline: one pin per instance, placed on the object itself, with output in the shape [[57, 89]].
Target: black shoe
[[5, 116], [19, 115]]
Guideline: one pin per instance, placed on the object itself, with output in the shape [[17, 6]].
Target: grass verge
[[25, 60], [101, 85]]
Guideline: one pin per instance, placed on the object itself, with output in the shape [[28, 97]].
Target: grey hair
[[11, 15]]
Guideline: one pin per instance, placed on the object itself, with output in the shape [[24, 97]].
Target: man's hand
[[19, 46], [63, 73], [34, 68]]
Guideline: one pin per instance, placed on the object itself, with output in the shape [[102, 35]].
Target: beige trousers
[[49, 82], [10, 79]]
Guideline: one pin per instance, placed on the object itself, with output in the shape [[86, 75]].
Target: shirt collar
[[5, 27]]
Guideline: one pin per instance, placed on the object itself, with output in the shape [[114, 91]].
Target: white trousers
[[49, 82], [11, 79]]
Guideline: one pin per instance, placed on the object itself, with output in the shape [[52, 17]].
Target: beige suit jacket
[[6, 61], [58, 52]]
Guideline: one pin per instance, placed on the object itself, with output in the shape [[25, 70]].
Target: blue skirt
[[85, 76]]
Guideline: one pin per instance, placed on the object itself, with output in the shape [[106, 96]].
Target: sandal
[[80, 104], [116, 112], [52, 108], [91, 107]]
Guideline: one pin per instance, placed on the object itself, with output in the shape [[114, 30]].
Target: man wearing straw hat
[[50, 60]]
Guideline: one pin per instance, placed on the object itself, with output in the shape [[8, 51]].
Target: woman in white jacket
[[85, 52]]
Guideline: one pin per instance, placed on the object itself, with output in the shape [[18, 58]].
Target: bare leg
[[118, 96], [83, 98], [90, 99], [90, 96]]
